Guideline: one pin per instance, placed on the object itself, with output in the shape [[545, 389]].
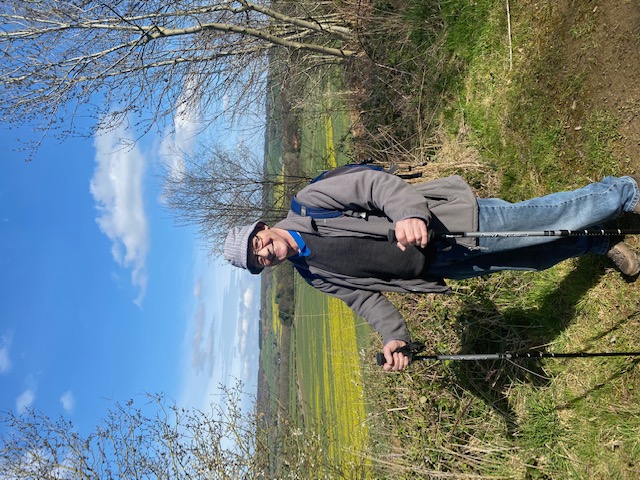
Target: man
[[351, 258]]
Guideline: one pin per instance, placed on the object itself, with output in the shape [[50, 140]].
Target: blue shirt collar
[[304, 249]]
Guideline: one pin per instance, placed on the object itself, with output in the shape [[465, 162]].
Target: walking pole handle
[[391, 235], [411, 350]]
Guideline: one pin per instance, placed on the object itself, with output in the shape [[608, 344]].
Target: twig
[[398, 409]]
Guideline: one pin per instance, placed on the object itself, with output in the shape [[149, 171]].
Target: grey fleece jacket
[[446, 204]]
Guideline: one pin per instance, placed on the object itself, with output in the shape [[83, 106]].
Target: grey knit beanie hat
[[236, 247]]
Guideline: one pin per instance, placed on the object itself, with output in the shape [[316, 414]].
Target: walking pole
[[412, 350], [611, 232]]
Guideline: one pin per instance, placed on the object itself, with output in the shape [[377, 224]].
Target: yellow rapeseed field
[[346, 382], [275, 317], [331, 153], [329, 373]]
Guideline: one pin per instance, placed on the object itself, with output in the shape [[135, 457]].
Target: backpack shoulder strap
[[323, 213]]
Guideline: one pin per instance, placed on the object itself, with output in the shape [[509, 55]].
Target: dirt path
[[600, 42]]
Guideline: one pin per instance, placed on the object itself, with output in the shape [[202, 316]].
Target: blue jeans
[[574, 210]]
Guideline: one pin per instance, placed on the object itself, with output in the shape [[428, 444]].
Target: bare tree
[[160, 439], [62, 59], [217, 189]]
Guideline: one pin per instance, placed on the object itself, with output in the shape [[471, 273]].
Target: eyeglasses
[[257, 244]]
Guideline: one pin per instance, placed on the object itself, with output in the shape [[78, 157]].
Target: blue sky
[[103, 297]]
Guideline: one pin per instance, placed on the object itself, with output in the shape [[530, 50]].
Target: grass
[[531, 126]]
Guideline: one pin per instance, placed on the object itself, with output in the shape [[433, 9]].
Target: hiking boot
[[624, 259]]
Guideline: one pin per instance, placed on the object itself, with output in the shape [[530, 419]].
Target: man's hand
[[411, 231], [394, 361]]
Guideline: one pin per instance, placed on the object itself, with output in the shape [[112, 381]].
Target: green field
[[324, 376], [325, 127], [327, 335], [328, 373]]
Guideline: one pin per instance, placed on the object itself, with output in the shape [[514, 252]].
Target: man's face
[[268, 248]]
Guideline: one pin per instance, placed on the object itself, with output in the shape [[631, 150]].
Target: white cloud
[[248, 297], [222, 292], [68, 401], [198, 357], [202, 347], [5, 359], [242, 333], [181, 138], [197, 288], [117, 187], [25, 400]]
